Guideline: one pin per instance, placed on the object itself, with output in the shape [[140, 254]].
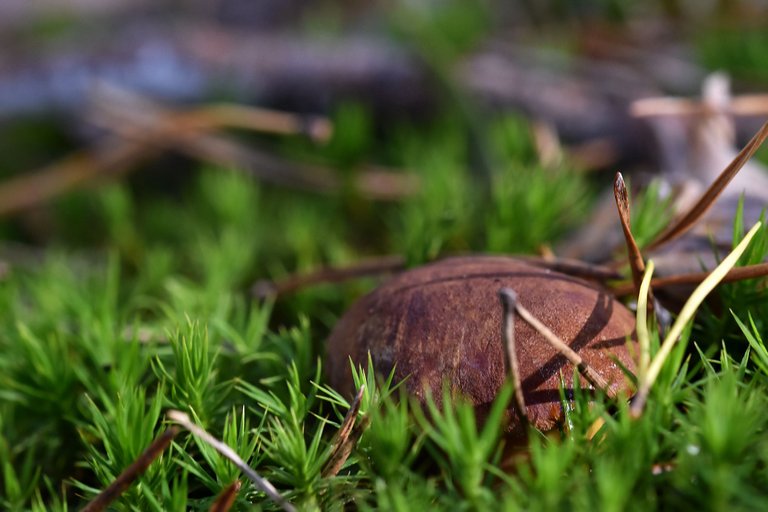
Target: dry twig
[[38, 186], [679, 227], [132, 472], [376, 266], [587, 371], [226, 498], [260, 482], [509, 301], [621, 196], [736, 274], [346, 437]]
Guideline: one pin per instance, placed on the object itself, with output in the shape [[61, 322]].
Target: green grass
[[141, 305], [738, 50]]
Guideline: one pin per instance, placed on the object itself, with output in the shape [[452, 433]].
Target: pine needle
[[685, 316], [262, 483]]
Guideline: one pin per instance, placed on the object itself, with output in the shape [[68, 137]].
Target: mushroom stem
[[587, 371], [509, 301]]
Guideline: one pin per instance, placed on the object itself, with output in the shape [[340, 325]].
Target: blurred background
[[227, 135]]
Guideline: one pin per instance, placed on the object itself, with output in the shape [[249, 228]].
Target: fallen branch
[[261, 483], [132, 472], [347, 436], [226, 498], [376, 266]]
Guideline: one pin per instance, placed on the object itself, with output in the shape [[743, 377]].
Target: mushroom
[[442, 323]]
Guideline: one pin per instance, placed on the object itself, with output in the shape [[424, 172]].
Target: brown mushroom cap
[[443, 323]]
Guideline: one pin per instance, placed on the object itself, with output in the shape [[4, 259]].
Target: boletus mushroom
[[443, 323]]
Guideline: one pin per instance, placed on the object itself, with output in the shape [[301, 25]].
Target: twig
[[143, 130], [38, 186], [226, 115], [686, 221], [573, 267], [264, 289], [736, 274], [132, 472], [587, 371], [263, 484], [139, 141], [135, 118], [338, 459], [342, 443], [633, 251], [743, 105], [226, 498], [509, 300], [132, 116], [110, 101]]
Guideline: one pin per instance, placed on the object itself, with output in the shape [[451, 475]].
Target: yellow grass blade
[[685, 316], [643, 338]]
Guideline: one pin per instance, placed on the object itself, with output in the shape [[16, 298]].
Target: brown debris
[[508, 301], [36, 187], [132, 472], [687, 220], [265, 289], [140, 129], [736, 274], [261, 483], [342, 441], [226, 498], [636, 263]]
